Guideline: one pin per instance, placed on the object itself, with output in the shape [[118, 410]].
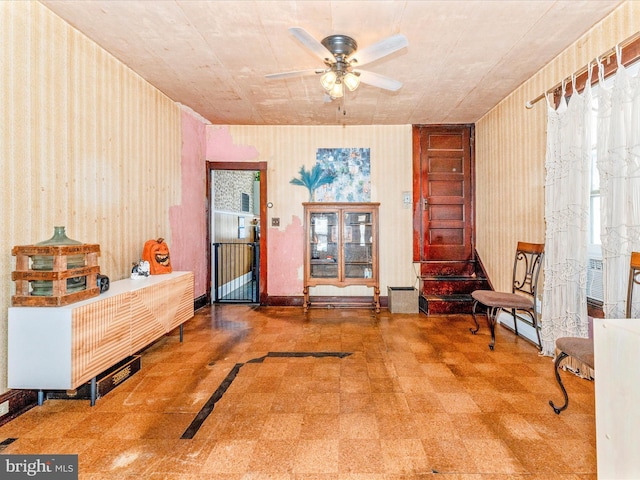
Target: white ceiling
[[212, 56]]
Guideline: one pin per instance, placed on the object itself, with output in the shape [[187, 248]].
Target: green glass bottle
[[44, 288]]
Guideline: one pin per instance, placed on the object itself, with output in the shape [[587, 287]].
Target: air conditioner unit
[[594, 280]]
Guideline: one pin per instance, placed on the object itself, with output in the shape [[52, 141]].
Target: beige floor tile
[[360, 456], [320, 426], [271, 458], [282, 426], [317, 456], [229, 457], [358, 426]]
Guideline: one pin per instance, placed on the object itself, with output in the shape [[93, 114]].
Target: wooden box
[[24, 274]]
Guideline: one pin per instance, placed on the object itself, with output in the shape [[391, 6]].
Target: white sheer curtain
[[619, 167], [567, 189]]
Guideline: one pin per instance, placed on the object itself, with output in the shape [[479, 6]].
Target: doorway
[[443, 221], [443, 193], [237, 210]]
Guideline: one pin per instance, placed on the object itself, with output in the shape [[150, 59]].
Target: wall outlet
[[4, 408]]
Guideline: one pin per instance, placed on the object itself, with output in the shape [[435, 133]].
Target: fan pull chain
[[341, 107]]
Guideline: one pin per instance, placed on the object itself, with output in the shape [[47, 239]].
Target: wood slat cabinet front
[[61, 348], [341, 247]]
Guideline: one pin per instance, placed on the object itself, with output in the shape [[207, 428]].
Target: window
[[594, 270], [244, 200], [594, 216]]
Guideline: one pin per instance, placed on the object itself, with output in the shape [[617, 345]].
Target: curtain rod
[[605, 56]]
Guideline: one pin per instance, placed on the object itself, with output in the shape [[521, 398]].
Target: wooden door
[[443, 193]]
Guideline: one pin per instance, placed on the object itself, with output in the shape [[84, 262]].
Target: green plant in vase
[[313, 179]]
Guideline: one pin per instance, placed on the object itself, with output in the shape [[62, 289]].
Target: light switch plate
[[275, 222], [406, 199]]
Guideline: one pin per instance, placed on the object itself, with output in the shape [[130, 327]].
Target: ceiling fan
[[343, 60]]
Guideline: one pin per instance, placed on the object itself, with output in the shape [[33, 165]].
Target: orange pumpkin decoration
[[156, 252]]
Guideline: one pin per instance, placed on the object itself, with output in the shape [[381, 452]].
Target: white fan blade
[[306, 39], [296, 73], [377, 80], [378, 50]]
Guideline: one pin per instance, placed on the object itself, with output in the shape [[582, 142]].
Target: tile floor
[[418, 397]]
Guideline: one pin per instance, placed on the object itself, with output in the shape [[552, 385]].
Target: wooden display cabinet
[[341, 247]]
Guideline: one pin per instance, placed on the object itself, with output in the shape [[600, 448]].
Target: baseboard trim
[[284, 301], [295, 301], [19, 401]]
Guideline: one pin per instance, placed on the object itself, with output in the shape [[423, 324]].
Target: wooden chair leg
[[475, 320], [559, 359]]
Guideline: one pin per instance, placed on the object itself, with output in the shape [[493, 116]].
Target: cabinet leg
[[93, 391], [305, 304], [376, 298]]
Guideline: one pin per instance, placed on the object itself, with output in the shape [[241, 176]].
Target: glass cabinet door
[[323, 244], [358, 244]]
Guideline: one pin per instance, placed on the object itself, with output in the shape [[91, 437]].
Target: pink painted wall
[[189, 219], [285, 254], [220, 147]]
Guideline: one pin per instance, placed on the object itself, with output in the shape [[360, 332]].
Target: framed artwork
[[352, 169]]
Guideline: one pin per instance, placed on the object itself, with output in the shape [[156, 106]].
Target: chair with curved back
[[581, 349], [523, 295]]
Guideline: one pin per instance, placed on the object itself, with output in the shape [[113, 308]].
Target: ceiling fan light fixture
[[338, 54], [328, 80], [337, 91], [351, 80]]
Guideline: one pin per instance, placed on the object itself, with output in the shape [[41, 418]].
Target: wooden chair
[[581, 349], [524, 291]]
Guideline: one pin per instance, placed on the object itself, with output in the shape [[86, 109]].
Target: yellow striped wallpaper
[[287, 148], [85, 143], [511, 148]]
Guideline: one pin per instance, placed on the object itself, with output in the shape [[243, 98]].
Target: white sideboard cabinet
[[61, 348], [617, 387]]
